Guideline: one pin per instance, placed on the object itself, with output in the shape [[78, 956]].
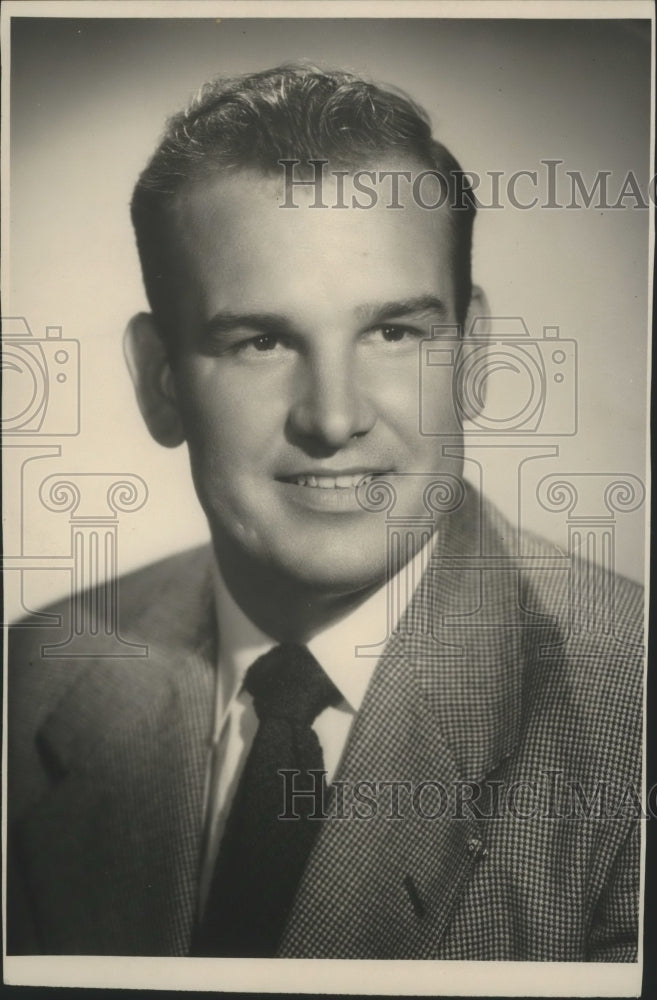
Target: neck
[[284, 608]]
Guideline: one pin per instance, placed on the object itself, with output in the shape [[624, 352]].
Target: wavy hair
[[290, 112]]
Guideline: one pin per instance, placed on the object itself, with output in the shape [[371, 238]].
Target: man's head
[[284, 344]]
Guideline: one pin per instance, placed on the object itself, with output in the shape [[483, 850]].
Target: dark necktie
[[261, 857]]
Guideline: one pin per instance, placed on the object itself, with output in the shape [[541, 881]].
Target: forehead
[[237, 237]]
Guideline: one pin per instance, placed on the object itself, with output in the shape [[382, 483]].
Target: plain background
[[88, 102]]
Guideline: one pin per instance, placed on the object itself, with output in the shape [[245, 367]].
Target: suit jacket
[[507, 711]]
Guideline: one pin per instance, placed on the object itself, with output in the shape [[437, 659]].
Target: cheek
[[225, 422], [394, 387], [210, 389], [419, 406], [437, 412]]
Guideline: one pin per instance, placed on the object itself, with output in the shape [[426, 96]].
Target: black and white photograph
[[326, 380]]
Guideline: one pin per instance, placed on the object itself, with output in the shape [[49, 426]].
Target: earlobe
[[148, 364]]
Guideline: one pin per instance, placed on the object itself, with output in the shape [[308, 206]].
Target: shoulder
[[587, 596], [159, 605], [584, 664], [573, 648], [579, 624], [171, 583], [168, 584]]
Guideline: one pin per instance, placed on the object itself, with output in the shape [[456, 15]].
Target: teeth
[[333, 482]]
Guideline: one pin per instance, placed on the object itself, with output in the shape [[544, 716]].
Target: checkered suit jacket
[[509, 714]]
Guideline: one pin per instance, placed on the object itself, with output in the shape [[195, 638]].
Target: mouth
[[334, 481]]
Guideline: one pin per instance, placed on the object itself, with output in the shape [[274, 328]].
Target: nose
[[331, 405]]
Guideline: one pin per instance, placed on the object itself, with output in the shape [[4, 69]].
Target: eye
[[392, 334], [265, 344]]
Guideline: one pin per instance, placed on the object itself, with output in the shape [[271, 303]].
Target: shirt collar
[[348, 650]]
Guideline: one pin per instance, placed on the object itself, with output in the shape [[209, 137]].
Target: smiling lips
[[343, 481]]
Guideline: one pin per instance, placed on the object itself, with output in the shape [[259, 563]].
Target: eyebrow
[[368, 314], [380, 312], [225, 321]]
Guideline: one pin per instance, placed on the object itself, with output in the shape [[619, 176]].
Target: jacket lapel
[[377, 886], [442, 709], [126, 750]]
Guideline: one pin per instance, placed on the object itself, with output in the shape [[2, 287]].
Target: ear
[[477, 320], [148, 363], [476, 330]]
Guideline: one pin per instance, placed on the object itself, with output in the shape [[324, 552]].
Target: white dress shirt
[[339, 649]]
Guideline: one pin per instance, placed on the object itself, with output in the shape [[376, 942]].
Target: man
[[161, 807]]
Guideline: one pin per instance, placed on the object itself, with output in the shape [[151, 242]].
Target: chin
[[338, 576]]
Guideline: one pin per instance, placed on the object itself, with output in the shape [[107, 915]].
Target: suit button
[[476, 847]]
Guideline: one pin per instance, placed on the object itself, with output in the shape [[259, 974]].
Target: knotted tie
[[261, 857]]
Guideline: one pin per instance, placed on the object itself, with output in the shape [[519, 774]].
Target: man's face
[[298, 372]]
